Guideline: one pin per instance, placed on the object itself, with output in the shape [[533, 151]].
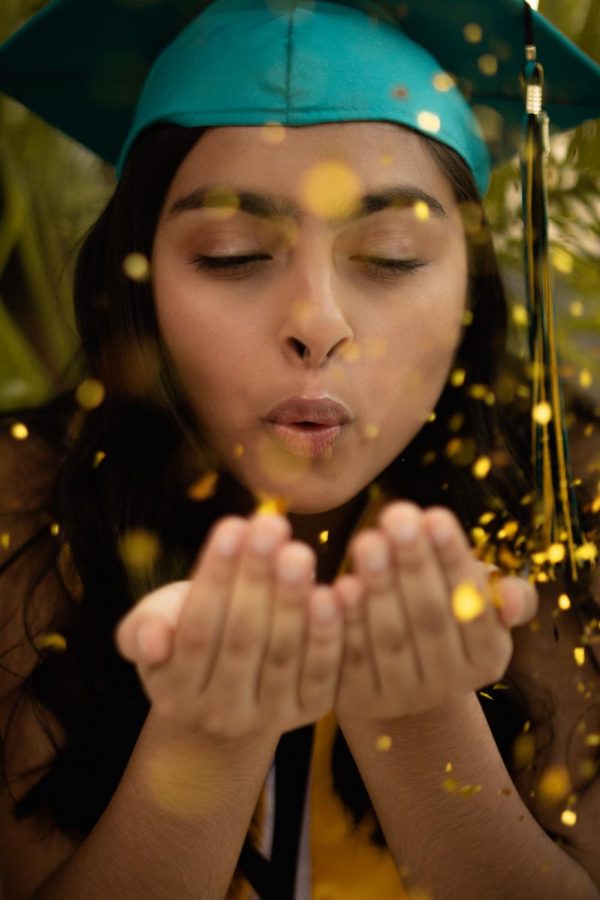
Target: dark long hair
[[125, 466]]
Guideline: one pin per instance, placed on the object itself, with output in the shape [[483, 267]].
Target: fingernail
[[228, 543], [376, 558], [404, 530], [291, 570], [441, 532]]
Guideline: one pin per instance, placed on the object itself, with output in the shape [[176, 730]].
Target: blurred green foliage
[[52, 189]]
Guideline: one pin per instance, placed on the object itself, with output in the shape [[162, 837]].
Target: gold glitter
[[568, 817], [523, 750], [387, 159], [486, 695], [480, 537], [486, 518], [450, 785], [443, 82], [330, 186], [467, 601], [478, 391], [579, 655], [562, 260], [432, 417], [520, 315], [467, 318], [576, 308], [473, 33], [592, 740], [137, 267], [370, 432], [54, 529], [90, 393], [564, 602], [99, 455], [238, 451], [556, 553], [50, 639], [272, 132], [585, 378], [586, 553], [204, 487], [323, 536], [139, 548], [221, 203], [421, 210], [19, 431], [5, 540], [270, 505], [383, 743], [428, 121], [456, 422], [428, 458], [488, 64], [448, 767], [457, 377], [542, 413], [481, 467], [555, 784]]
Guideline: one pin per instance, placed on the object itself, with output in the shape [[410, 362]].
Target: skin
[[266, 653]]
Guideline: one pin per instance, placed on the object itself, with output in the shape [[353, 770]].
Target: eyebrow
[[273, 207]]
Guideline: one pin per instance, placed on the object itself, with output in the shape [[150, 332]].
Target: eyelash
[[238, 266]]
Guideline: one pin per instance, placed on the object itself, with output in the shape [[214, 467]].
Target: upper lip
[[323, 410]]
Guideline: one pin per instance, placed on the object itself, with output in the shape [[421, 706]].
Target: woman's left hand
[[422, 623]]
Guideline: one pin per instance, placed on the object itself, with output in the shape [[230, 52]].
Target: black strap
[[275, 879]]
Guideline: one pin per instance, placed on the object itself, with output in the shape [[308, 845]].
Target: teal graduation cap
[[104, 70]]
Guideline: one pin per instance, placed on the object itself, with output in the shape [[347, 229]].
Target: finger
[[487, 643], [423, 588], [358, 666], [247, 624], [202, 617], [519, 601], [390, 638], [321, 664], [295, 571], [146, 632]]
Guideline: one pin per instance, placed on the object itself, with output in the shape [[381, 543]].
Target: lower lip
[[306, 440]]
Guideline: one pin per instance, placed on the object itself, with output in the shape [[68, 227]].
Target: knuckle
[[193, 638], [281, 653], [431, 619], [392, 641], [239, 639]]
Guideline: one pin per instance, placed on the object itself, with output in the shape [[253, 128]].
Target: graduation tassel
[[555, 515]]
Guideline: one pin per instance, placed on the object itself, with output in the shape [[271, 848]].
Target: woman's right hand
[[256, 646]]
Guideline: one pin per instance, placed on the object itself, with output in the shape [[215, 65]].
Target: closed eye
[[380, 268]]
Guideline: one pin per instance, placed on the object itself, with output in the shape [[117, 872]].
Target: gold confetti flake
[[586, 553], [542, 413], [564, 602], [221, 203], [592, 740], [568, 817], [428, 458], [481, 467], [457, 377], [330, 186], [562, 260], [269, 506], [54, 529], [19, 431], [479, 536], [520, 315], [139, 548], [585, 378], [387, 159], [5, 540], [90, 393], [383, 743], [204, 487], [99, 456], [486, 695], [555, 784], [505, 791], [486, 517], [473, 33], [456, 422], [450, 785], [351, 352], [576, 309], [50, 640], [467, 601], [523, 750], [272, 132], [556, 553], [443, 82], [448, 767], [432, 417], [429, 121], [467, 318], [238, 451], [323, 536], [488, 64], [371, 431], [579, 655], [137, 267], [421, 210]]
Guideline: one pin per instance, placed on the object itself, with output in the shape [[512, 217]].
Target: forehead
[[278, 160]]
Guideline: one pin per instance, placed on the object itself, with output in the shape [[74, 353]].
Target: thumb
[[161, 608]]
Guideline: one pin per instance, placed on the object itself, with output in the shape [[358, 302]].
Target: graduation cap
[[467, 73]]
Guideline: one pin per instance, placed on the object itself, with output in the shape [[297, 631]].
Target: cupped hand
[[249, 644], [423, 620]]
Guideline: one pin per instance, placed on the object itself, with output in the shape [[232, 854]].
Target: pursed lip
[[322, 410]]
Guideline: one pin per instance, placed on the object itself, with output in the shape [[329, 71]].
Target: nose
[[316, 329]]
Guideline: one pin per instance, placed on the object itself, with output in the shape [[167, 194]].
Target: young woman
[[321, 336]]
